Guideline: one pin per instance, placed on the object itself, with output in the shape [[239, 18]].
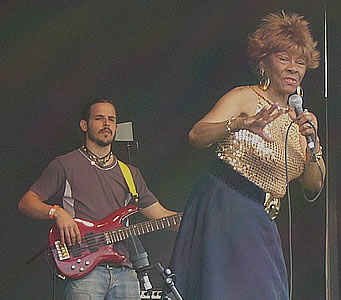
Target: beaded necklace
[[101, 161]]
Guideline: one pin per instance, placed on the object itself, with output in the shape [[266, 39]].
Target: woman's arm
[[239, 108], [313, 179]]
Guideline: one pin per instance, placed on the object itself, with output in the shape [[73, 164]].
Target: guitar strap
[[129, 180]]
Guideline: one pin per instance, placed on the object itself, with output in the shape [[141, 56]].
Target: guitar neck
[[123, 233]]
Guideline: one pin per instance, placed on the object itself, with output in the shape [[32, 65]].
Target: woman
[[228, 246]]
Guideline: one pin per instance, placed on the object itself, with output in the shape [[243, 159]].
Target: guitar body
[[97, 244]]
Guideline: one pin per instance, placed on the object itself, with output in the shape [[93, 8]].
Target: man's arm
[[157, 211], [31, 204]]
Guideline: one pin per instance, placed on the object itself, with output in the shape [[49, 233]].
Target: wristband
[[52, 211]]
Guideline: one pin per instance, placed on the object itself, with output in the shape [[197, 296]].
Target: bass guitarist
[[88, 184]]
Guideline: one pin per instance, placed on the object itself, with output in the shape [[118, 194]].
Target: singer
[[228, 245]]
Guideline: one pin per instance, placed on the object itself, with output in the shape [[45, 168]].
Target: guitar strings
[[115, 235]]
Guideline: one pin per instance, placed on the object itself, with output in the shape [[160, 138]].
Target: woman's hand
[[257, 123], [313, 179], [303, 121]]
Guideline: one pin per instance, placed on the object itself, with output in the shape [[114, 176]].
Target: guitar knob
[[79, 260], [87, 263], [73, 267], [81, 269]]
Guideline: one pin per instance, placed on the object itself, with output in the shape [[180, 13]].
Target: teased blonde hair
[[283, 32]]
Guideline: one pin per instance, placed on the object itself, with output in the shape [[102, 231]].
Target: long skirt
[[227, 246]]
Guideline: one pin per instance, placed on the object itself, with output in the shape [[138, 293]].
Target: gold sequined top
[[262, 162]]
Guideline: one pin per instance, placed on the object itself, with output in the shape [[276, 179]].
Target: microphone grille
[[295, 100]]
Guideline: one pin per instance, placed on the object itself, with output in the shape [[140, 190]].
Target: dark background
[[165, 64]]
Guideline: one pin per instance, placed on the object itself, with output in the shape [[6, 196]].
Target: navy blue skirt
[[227, 246]]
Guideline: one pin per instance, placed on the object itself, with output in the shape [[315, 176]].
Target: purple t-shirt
[[88, 191]]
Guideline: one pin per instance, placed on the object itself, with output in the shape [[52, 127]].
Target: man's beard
[[103, 143], [98, 141]]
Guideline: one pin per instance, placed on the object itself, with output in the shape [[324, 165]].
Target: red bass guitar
[[98, 238]]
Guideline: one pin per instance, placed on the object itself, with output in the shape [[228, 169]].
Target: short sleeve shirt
[[88, 191]]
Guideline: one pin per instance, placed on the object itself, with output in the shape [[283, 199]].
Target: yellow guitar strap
[[129, 180]]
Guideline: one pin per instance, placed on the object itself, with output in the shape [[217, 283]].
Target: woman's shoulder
[[240, 100], [243, 96], [242, 91]]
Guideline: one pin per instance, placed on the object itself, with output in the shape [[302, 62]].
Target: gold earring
[[299, 91], [264, 82]]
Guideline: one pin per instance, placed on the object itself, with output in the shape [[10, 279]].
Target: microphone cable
[[304, 194]]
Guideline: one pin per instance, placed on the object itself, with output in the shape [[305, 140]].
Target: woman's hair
[[283, 32]]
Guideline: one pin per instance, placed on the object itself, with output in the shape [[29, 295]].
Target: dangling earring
[[299, 91], [264, 82]]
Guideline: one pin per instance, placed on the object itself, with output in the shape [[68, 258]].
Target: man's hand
[[68, 228]]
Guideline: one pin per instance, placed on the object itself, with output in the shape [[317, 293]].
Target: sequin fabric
[[262, 162]]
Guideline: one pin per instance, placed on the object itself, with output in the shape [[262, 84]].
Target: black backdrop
[[165, 64]]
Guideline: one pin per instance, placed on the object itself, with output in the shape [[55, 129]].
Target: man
[[88, 183]]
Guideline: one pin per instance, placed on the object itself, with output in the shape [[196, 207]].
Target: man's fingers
[[67, 237], [78, 235], [68, 228], [73, 236], [62, 239]]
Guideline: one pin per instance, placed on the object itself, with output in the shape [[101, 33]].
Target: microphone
[[139, 258], [296, 102]]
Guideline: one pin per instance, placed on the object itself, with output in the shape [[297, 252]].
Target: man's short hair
[[86, 108]]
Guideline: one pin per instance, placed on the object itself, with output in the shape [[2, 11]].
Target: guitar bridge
[[62, 251]]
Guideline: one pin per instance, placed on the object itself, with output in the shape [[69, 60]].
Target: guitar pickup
[[62, 251]]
